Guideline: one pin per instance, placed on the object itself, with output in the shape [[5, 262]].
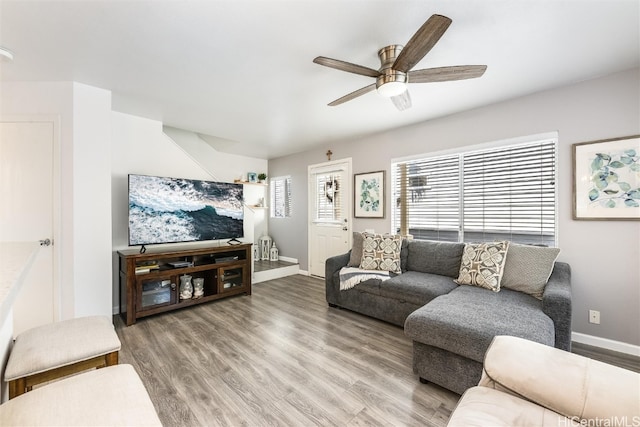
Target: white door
[[26, 213], [329, 212]]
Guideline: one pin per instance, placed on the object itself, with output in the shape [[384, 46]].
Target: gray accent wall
[[604, 255]]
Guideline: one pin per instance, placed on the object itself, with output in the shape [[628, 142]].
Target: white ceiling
[[241, 71]]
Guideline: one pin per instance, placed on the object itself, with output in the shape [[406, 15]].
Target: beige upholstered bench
[[113, 396], [59, 349]]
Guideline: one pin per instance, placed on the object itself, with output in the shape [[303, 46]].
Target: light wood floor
[[282, 357], [279, 357]]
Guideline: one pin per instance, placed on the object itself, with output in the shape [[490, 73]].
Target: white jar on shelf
[[186, 288], [198, 287]]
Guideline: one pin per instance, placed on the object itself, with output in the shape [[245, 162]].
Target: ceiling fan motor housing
[[388, 55], [395, 80]]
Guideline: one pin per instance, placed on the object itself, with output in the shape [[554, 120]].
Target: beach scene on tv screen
[[170, 210]]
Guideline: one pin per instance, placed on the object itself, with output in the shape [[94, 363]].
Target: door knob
[[46, 242]]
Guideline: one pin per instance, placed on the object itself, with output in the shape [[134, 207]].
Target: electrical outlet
[[594, 317]]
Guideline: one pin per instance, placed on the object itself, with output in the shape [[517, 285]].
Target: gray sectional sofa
[[452, 325]]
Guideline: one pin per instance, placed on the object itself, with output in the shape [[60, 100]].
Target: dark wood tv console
[[150, 281]]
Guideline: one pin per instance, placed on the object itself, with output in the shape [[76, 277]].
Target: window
[[281, 197], [431, 189], [328, 201], [505, 193]]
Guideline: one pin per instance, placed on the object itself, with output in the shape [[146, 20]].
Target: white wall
[[84, 140], [92, 200], [222, 166], [604, 255]]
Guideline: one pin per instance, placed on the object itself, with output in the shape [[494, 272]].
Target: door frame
[[55, 120], [348, 200]]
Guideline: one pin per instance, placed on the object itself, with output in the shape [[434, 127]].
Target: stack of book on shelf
[[147, 267]]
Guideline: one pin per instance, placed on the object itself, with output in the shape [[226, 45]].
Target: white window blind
[[431, 192], [505, 193], [328, 201], [281, 197], [509, 193]]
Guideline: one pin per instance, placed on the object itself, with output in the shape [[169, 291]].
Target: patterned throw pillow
[[483, 264], [381, 252]]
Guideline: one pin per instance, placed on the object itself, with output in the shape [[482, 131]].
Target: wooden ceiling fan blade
[[353, 95], [346, 66], [402, 101], [421, 42], [445, 74]]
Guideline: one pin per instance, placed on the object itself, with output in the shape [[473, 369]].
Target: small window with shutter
[[280, 197]]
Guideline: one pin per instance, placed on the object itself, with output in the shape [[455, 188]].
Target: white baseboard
[[276, 273], [620, 347], [116, 310], [303, 272], [288, 259]]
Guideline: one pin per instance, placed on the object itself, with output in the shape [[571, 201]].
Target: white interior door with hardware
[[329, 212], [26, 213]]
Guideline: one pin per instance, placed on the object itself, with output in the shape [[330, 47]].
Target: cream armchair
[[529, 384]]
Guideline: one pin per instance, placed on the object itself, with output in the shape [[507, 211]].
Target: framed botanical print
[[368, 191], [606, 179]]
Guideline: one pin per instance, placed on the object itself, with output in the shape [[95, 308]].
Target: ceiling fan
[[397, 62]]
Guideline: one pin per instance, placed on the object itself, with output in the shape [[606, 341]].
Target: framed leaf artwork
[[606, 179], [368, 195]]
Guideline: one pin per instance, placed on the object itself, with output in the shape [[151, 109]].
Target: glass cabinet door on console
[[156, 292], [231, 278]]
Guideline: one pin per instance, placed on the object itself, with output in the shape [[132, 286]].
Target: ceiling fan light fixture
[[391, 83], [392, 89]]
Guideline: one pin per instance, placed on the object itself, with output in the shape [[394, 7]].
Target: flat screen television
[[172, 210]]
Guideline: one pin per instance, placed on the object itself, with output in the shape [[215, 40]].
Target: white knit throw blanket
[[351, 276]]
